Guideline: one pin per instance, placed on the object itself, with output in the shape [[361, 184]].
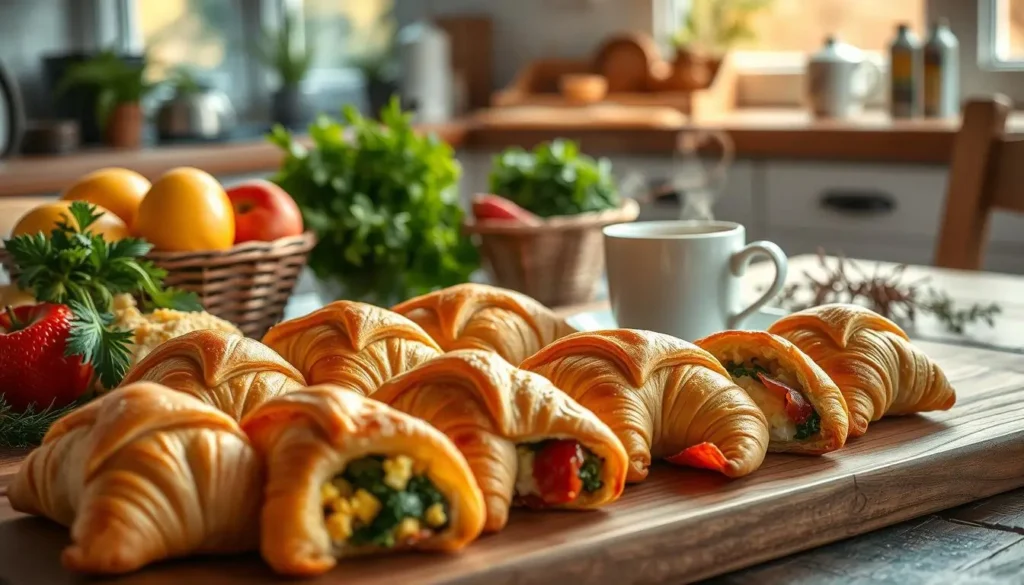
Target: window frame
[[990, 35]]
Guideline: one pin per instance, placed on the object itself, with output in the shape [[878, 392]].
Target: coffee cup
[[684, 278]]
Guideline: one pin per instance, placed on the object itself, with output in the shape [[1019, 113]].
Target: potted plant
[[711, 28], [383, 202], [540, 229], [120, 87], [380, 73], [290, 57]]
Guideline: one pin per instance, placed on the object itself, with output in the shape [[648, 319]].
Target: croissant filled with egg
[[526, 441], [806, 412], [478, 316], [352, 344], [349, 476], [227, 371], [663, 398], [142, 474], [877, 368]]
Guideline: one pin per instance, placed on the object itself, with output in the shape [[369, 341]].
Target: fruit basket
[[558, 261], [248, 284]]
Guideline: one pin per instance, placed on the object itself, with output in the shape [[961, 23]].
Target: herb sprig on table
[[74, 266]]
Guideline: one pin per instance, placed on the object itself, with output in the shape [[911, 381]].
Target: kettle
[[840, 80], [12, 114], [195, 113]]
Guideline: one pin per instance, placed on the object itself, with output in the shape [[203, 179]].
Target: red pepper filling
[[556, 469], [798, 409], [702, 455]]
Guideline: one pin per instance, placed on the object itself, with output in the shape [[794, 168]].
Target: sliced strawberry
[[798, 409], [556, 469], [495, 207], [703, 455]]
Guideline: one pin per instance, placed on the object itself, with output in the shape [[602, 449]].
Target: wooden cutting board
[[680, 525]]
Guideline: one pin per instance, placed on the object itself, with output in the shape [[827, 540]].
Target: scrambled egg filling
[[781, 426], [152, 329], [382, 502]]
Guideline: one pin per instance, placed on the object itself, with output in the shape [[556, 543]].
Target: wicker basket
[[558, 262], [248, 285]]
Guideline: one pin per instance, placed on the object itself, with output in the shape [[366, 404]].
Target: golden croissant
[[348, 475], [142, 474], [872, 361], [663, 398], [354, 345], [806, 411], [227, 371], [477, 316], [525, 440]]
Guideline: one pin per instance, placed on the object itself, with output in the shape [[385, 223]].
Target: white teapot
[[839, 80]]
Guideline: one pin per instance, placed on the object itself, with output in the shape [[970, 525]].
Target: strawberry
[[487, 207], [33, 367], [556, 469]]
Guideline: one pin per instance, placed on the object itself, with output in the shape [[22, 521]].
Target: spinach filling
[[396, 505], [740, 370], [809, 428]]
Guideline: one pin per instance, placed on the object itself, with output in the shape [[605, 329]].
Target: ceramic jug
[[839, 80]]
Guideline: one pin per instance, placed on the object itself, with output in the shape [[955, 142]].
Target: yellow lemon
[[186, 210], [119, 190]]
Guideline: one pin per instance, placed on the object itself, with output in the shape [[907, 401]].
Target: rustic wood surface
[[684, 525]]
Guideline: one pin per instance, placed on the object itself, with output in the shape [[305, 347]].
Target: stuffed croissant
[[351, 344], [525, 440], [142, 474], [663, 398], [348, 475], [477, 316], [227, 371], [806, 412], [872, 361]]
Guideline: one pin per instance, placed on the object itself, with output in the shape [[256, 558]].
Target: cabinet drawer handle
[[859, 202]]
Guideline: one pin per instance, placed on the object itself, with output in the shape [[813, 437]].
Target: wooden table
[[978, 542]]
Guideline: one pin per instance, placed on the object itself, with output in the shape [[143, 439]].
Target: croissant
[[349, 475], [227, 371], [524, 439], [806, 411], [351, 344], [663, 398], [142, 474], [477, 316], [872, 361]]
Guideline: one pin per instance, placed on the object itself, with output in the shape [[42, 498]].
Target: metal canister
[[904, 66], [941, 72]]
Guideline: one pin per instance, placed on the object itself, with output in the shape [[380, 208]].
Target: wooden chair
[[986, 173]]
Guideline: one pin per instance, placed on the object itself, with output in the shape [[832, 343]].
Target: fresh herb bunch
[[74, 266], [383, 203], [554, 179], [27, 428]]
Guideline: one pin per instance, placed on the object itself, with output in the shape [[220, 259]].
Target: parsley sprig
[[76, 267]]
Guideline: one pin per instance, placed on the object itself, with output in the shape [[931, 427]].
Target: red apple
[[263, 212]]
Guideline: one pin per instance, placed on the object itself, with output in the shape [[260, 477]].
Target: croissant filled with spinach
[[355, 345], [477, 316], [877, 368], [663, 397], [227, 371], [142, 474], [350, 476], [806, 412], [527, 442]]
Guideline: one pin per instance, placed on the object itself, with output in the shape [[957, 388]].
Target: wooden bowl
[[583, 88]]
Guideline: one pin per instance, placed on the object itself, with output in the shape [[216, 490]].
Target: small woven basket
[[558, 262], [248, 284]]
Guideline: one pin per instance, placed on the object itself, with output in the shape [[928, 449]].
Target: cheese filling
[[782, 425], [381, 502]]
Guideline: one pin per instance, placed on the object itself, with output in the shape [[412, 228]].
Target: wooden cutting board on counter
[[680, 525], [605, 116]]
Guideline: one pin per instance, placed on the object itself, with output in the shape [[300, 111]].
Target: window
[[343, 29], [1001, 34]]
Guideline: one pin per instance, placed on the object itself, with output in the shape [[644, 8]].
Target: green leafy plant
[[76, 267], [115, 81], [715, 26], [27, 428], [383, 203], [554, 179], [183, 81], [285, 52]]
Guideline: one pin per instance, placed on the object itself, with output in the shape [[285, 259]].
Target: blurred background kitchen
[[817, 123]]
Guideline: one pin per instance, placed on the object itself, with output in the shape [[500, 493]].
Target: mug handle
[[738, 266]]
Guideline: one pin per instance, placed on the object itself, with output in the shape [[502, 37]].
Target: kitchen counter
[[757, 134]]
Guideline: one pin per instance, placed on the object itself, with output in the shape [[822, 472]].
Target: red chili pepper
[[798, 409], [703, 455], [556, 469]]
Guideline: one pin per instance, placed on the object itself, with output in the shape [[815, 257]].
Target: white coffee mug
[[683, 277]]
